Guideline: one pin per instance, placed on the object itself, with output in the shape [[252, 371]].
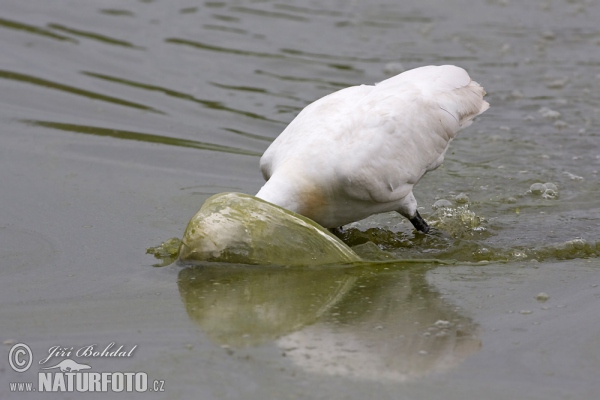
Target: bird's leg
[[336, 231], [419, 223]]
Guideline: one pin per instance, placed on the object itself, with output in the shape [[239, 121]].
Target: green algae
[[167, 251], [236, 228]]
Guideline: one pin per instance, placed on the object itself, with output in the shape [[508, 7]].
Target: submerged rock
[[239, 228], [167, 252]]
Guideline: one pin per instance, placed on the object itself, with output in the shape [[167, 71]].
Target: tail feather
[[465, 103], [448, 86]]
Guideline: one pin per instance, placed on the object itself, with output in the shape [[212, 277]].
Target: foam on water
[[545, 190], [459, 233]]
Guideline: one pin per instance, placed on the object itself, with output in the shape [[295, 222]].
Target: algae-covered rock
[[238, 228]]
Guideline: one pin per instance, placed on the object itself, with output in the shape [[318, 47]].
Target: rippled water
[[119, 118]]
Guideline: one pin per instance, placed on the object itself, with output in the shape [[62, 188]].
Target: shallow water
[[120, 118]]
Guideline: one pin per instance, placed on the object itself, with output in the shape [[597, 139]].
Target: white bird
[[359, 151]]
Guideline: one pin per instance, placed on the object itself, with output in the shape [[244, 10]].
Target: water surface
[[119, 118]]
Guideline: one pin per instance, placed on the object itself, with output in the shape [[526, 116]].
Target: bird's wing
[[375, 142], [391, 150], [402, 129], [315, 123], [448, 86]]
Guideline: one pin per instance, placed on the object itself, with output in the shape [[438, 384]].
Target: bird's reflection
[[375, 321]]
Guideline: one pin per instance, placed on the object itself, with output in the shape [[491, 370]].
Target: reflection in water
[[380, 322], [241, 306]]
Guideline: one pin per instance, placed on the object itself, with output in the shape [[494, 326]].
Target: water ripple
[[93, 36], [204, 46], [16, 76], [269, 14], [301, 79], [139, 136], [310, 11], [117, 12], [19, 26], [254, 90], [213, 104]]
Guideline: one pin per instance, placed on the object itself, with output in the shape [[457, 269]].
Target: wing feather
[[373, 143]]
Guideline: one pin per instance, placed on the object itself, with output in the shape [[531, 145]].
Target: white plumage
[[359, 151]]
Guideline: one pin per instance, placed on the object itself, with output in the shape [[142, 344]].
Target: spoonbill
[[360, 151]]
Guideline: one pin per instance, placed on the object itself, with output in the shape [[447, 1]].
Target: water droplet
[[442, 203], [393, 68], [516, 94], [542, 297], [548, 113], [461, 198], [556, 84], [573, 176], [546, 190], [537, 188], [548, 35], [442, 323], [561, 124], [578, 243]]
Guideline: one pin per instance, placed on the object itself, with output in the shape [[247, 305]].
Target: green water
[[120, 118]]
